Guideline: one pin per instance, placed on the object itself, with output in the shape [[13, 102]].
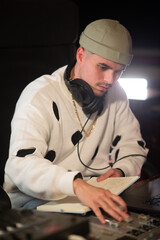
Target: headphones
[[83, 93]]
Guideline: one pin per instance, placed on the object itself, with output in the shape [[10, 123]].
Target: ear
[[80, 54]]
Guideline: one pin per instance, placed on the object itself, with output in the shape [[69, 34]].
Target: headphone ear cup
[[81, 91], [83, 94], [95, 106]]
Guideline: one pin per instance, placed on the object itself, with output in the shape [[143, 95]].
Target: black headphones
[[83, 94]]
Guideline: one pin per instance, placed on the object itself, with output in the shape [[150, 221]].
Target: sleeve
[[27, 167], [128, 148]]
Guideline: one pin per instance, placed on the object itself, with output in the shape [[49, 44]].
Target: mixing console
[[138, 226], [16, 224], [34, 225]]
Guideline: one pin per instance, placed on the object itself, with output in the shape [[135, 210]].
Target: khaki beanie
[[108, 39]]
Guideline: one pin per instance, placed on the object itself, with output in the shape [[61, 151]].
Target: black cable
[[78, 153], [131, 155], [85, 164]]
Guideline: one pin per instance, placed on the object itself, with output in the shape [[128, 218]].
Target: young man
[[68, 126]]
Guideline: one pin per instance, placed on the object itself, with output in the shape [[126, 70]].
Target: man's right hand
[[97, 198]]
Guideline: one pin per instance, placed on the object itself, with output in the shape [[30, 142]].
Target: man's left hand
[[113, 172]]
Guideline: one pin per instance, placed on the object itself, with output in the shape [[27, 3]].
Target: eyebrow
[[107, 66], [104, 65]]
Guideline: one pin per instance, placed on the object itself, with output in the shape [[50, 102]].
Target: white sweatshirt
[[44, 154]]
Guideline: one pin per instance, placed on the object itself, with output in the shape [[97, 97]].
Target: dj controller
[[16, 224], [23, 224], [139, 226]]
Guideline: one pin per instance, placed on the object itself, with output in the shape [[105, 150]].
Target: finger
[[99, 215], [118, 204], [121, 203], [111, 210], [117, 208]]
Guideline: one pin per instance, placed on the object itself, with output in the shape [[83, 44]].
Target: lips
[[103, 87]]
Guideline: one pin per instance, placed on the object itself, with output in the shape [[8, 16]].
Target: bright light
[[135, 88]]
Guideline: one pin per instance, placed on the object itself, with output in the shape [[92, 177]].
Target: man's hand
[[113, 172], [97, 198]]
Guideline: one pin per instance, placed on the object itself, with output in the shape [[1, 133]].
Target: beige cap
[[108, 39]]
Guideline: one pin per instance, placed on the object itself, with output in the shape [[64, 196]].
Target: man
[[75, 124]]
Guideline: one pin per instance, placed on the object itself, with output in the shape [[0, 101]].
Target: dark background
[[142, 19], [37, 36]]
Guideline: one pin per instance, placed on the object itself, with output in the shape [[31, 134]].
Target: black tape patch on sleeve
[[24, 152], [95, 153], [116, 140], [141, 143], [55, 110], [51, 155], [76, 137], [116, 154]]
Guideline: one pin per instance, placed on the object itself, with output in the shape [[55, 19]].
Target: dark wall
[[37, 37], [141, 19]]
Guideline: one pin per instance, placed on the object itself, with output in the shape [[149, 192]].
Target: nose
[[109, 77]]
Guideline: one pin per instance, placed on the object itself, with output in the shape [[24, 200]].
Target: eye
[[118, 72], [103, 67]]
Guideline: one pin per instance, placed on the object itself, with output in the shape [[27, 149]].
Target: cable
[[78, 153], [85, 164], [132, 155]]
